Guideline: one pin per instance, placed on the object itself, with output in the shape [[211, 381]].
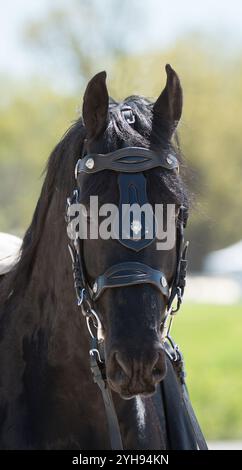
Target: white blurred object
[[212, 289], [9, 251], [225, 445], [225, 261]]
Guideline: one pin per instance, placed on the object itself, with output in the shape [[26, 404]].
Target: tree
[[77, 39]]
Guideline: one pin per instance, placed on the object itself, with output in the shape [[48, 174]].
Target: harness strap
[[179, 282], [177, 361], [98, 377], [202, 445]]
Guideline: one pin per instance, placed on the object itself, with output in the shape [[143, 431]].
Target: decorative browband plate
[[134, 230], [128, 159]]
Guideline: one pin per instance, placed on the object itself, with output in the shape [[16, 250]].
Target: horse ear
[[167, 109], [95, 105]]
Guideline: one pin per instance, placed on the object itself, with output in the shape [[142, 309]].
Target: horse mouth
[[129, 396], [127, 393]]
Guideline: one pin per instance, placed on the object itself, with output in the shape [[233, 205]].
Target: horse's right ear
[[95, 105], [168, 107]]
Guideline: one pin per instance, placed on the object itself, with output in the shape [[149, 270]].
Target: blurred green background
[[50, 50], [210, 341]]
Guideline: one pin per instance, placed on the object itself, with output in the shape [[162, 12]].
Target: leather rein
[[126, 161]]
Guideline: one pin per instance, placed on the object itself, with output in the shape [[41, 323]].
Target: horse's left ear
[[95, 105], [167, 109]]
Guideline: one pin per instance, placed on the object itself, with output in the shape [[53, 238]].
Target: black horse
[[48, 399]]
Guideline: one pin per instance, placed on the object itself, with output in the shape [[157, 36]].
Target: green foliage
[[210, 340], [31, 123], [85, 35]]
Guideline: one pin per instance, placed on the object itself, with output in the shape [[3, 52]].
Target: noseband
[[129, 163]]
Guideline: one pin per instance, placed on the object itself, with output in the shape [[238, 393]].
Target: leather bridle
[[131, 160], [129, 163]]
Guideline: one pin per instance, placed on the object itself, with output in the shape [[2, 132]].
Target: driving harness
[[130, 163]]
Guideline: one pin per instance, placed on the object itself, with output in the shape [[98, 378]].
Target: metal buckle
[[178, 297], [128, 115], [97, 324], [175, 350], [76, 169], [81, 297], [71, 251], [94, 351], [178, 302]]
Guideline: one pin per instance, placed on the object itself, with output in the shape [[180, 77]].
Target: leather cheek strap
[[129, 274]]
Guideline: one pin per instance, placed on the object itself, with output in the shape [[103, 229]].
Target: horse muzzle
[[131, 375]]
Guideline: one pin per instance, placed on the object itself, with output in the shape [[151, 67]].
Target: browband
[[126, 160], [129, 274]]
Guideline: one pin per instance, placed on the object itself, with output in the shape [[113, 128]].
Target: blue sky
[[164, 20]]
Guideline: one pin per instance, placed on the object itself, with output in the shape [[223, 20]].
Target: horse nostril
[[159, 369], [156, 371], [137, 374], [157, 374], [121, 365]]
